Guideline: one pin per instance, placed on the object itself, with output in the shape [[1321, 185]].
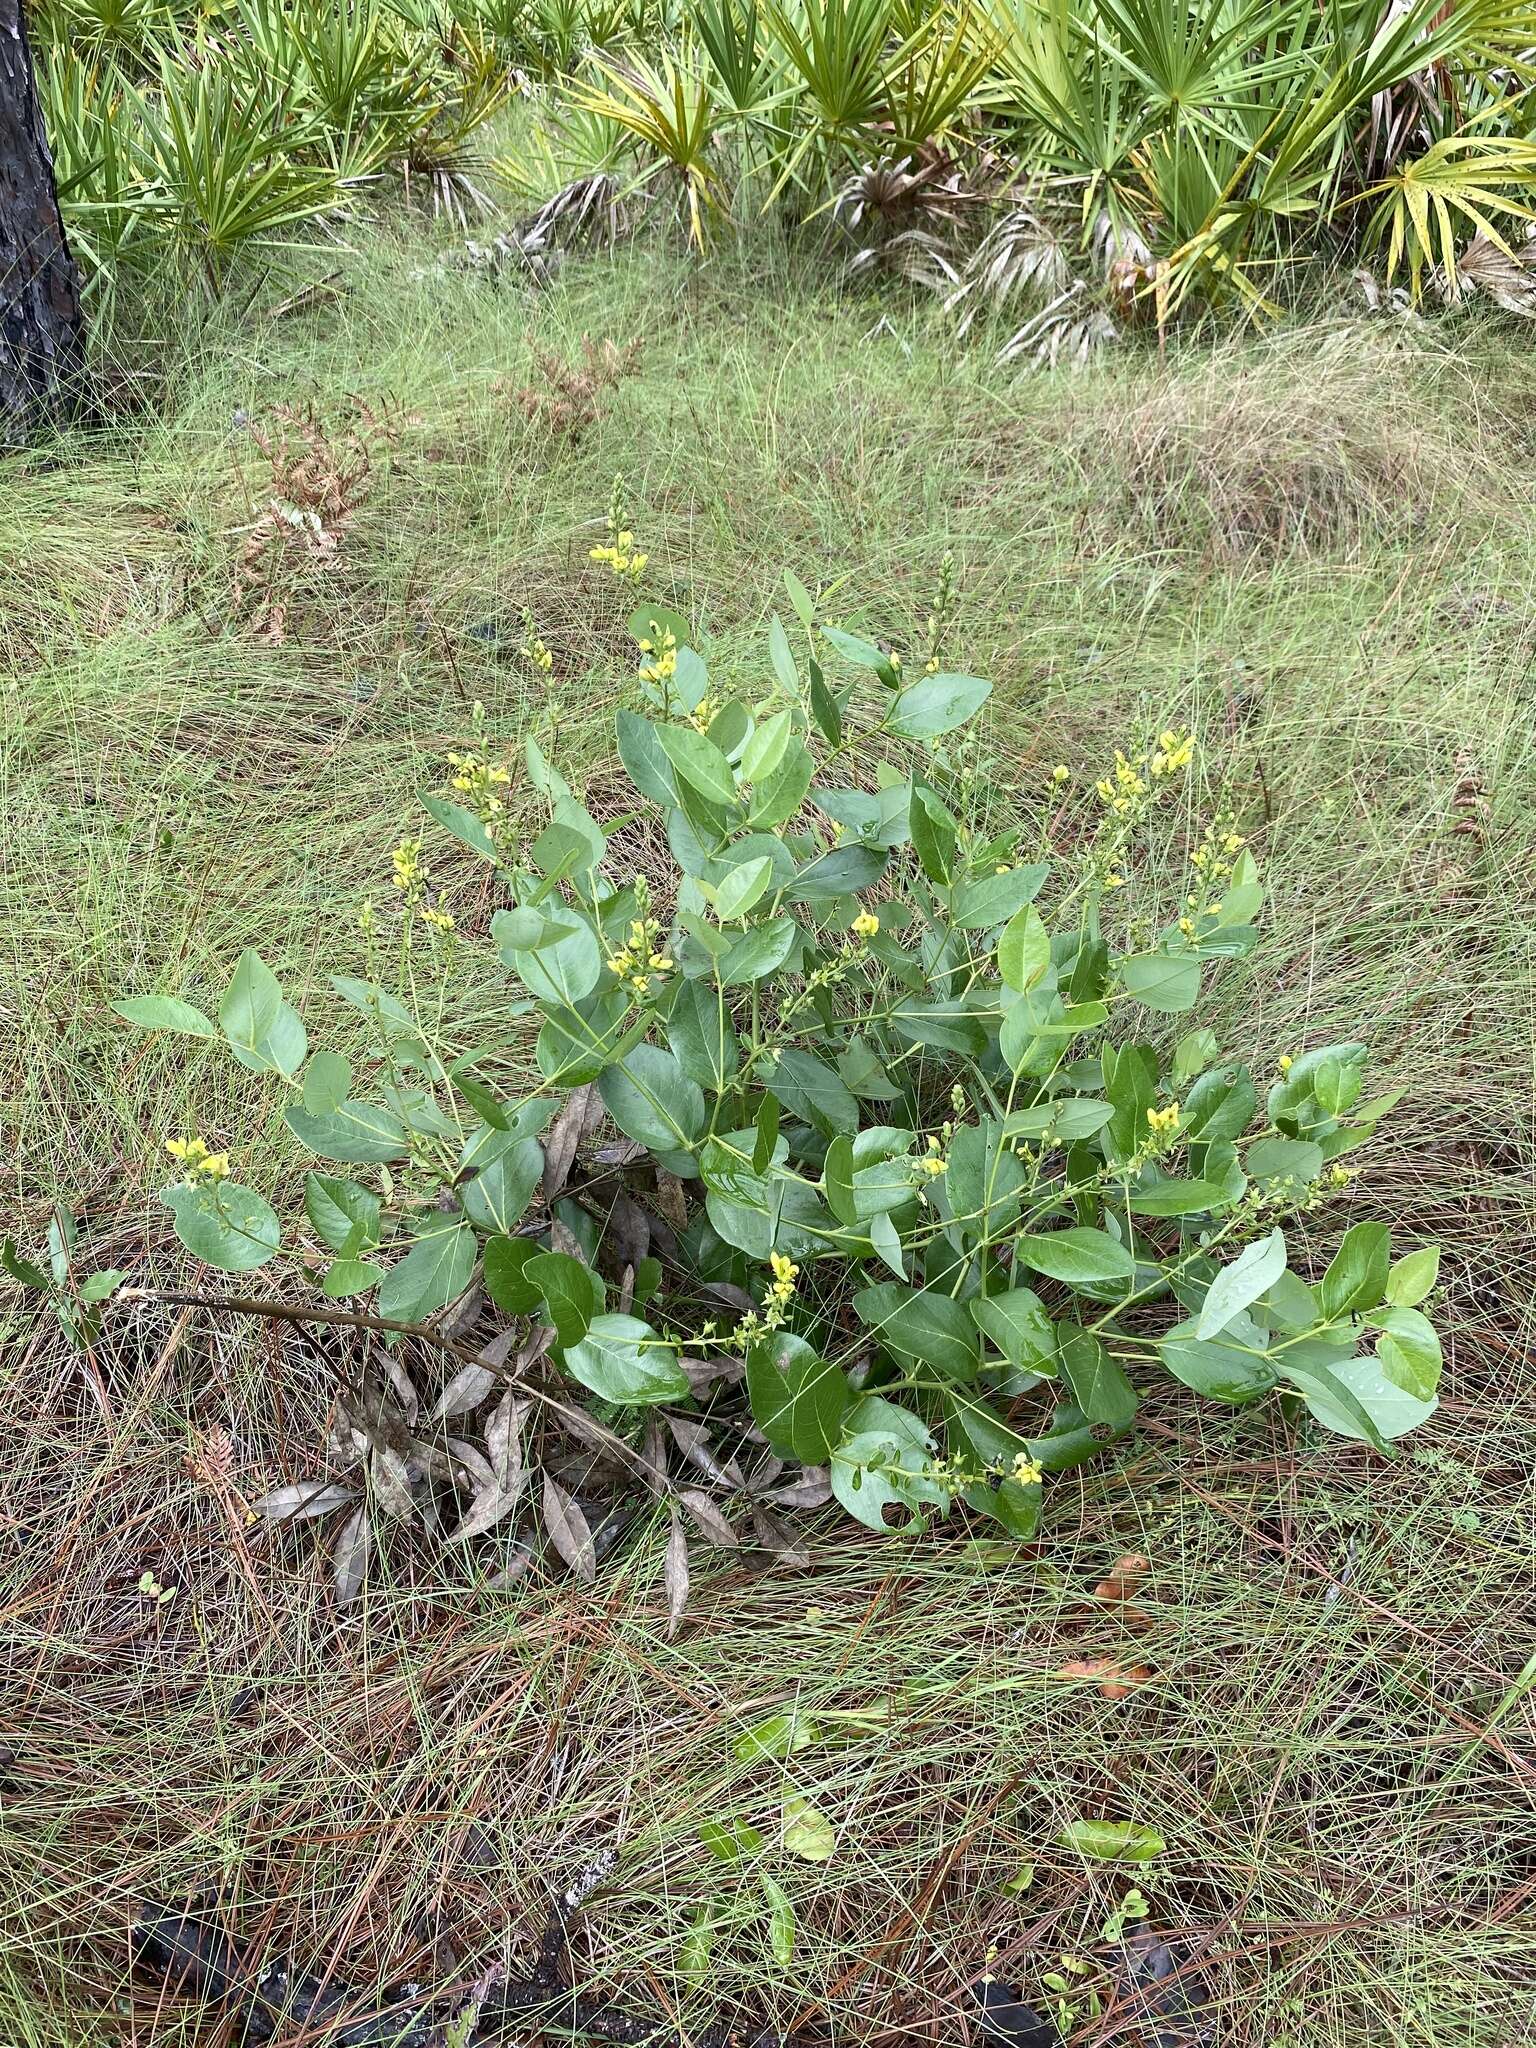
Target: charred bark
[[41, 325]]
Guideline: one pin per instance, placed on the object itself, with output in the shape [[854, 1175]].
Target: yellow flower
[[1285, 1063], [1061, 773], [784, 1269], [1027, 1471], [866, 924], [202, 1166]]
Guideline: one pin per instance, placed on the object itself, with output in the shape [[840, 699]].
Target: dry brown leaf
[[465, 1391], [1125, 1577], [692, 1440], [811, 1489], [711, 1521], [569, 1531], [583, 1108], [349, 1557], [785, 1545], [306, 1497], [676, 1571]]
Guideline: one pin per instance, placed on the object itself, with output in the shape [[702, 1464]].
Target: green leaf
[[837, 1180], [1296, 1159], [700, 1035], [1024, 950], [1409, 1351], [1353, 1396], [806, 1830], [936, 705], [621, 1359], [729, 1840], [932, 1329], [1018, 1325], [653, 1101], [776, 799], [1413, 1278], [499, 1195], [571, 1293], [1112, 1841], [741, 889], [843, 871], [96, 1287], [933, 830], [166, 1013], [327, 1079], [983, 1181], [225, 1226], [885, 1240], [780, 1735], [995, 899], [433, 1272], [768, 744], [810, 1089], [781, 1920], [264, 1033], [356, 1134], [798, 1399], [766, 1139], [503, 1264], [464, 825], [1166, 982], [699, 761], [644, 759], [1079, 1257], [1099, 1387], [759, 952], [346, 1277], [21, 1270], [1176, 1197], [1227, 1368], [885, 1457], [852, 647], [345, 1217], [566, 963], [825, 708], [1356, 1278], [1238, 1286]]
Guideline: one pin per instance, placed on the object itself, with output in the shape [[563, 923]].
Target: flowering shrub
[[912, 1178]]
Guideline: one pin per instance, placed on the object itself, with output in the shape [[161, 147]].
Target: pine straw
[[396, 1793]]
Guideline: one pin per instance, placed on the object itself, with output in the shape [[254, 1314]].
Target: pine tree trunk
[[41, 327]]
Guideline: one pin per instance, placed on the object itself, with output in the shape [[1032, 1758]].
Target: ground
[[1317, 547]]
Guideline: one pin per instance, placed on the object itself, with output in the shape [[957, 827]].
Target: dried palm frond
[[906, 215], [1071, 329], [1021, 254], [1505, 275]]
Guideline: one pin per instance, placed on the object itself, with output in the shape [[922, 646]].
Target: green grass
[[1318, 548]]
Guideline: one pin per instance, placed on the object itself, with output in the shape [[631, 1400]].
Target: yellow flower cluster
[[410, 875], [704, 713], [200, 1166], [782, 1290], [1212, 862], [478, 781], [439, 919], [660, 662], [533, 650], [620, 553], [1173, 753], [642, 963], [1125, 789], [865, 925], [934, 1163], [1163, 1122]]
